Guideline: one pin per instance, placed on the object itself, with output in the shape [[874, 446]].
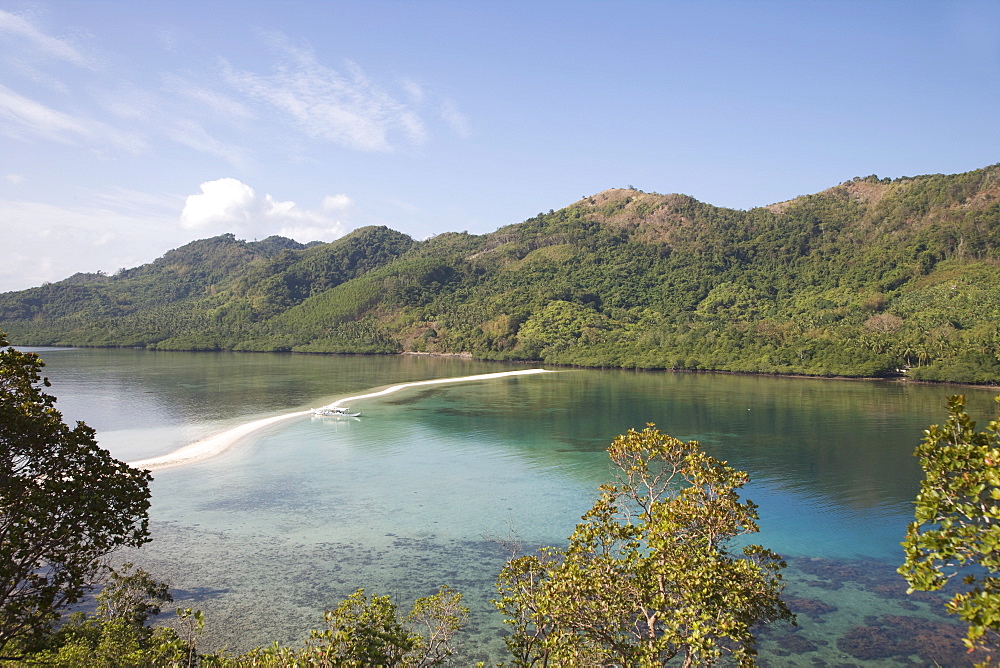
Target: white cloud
[[337, 202], [14, 178], [28, 52], [109, 230], [131, 103], [20, 115], [216, 102], [191, 134], [229, 205], [30, 71], [230, 114], [458, 121], [51, 46], [415, 91], [37, 118], [225, 202], [347, 109]]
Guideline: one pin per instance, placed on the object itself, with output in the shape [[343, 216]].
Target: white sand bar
[[215, 445], [437, 381]]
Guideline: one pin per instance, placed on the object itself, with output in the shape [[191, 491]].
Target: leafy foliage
[[132, 595], [365, 631], [361, 631], [65, 503], [117, 635], [619, 279], [956, 526], [649, 575]]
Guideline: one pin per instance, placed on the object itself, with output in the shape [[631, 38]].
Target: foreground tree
[[131, 594], [364, 631], [117, 635], [648, 576], [65, 504], [956, 527]]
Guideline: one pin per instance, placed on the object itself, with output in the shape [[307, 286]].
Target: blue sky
[[128, 128]]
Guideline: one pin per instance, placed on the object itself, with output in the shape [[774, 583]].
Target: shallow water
[[298, 516]]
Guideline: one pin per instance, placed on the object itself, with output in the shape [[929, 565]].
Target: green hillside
[[862, 279]]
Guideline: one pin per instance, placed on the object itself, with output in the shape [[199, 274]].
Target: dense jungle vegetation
[[866, 278]]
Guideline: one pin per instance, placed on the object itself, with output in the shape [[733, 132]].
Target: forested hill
[[862, 279]]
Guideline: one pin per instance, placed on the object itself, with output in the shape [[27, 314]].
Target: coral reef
[[900, 636], [811, 607]]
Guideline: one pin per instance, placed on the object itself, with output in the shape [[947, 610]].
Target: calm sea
[[266, 536]]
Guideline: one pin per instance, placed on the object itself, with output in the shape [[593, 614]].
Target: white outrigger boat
[[335, 411]]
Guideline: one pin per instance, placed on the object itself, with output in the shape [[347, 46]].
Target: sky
[[129, 128]]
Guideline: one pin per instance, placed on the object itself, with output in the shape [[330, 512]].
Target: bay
[[294, 518]]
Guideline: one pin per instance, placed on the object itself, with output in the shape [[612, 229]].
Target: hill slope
[[861, 279]]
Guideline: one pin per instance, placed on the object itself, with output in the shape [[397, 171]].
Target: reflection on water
[[266, 536]]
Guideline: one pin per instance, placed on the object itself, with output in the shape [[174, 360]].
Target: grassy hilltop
[[862, 279]]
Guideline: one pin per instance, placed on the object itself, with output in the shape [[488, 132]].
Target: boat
[[335, 411]]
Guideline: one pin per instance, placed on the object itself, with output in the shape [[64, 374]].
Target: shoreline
[[215, 445], [901, 378]]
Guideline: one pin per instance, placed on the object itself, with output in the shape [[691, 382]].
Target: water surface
[[298, 516]]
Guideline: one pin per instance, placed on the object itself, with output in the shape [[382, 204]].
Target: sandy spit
[[219, 443]]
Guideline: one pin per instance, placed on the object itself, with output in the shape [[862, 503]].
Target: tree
[[65, 504], [648, 576], [956, 525], [364, 631], [116, 636], [131, 594]]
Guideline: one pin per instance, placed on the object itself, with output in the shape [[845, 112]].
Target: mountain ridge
[[860, 279]]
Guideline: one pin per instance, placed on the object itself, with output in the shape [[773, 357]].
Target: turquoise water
[[296, 517]]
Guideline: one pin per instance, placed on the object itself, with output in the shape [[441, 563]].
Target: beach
[[215, 445]]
